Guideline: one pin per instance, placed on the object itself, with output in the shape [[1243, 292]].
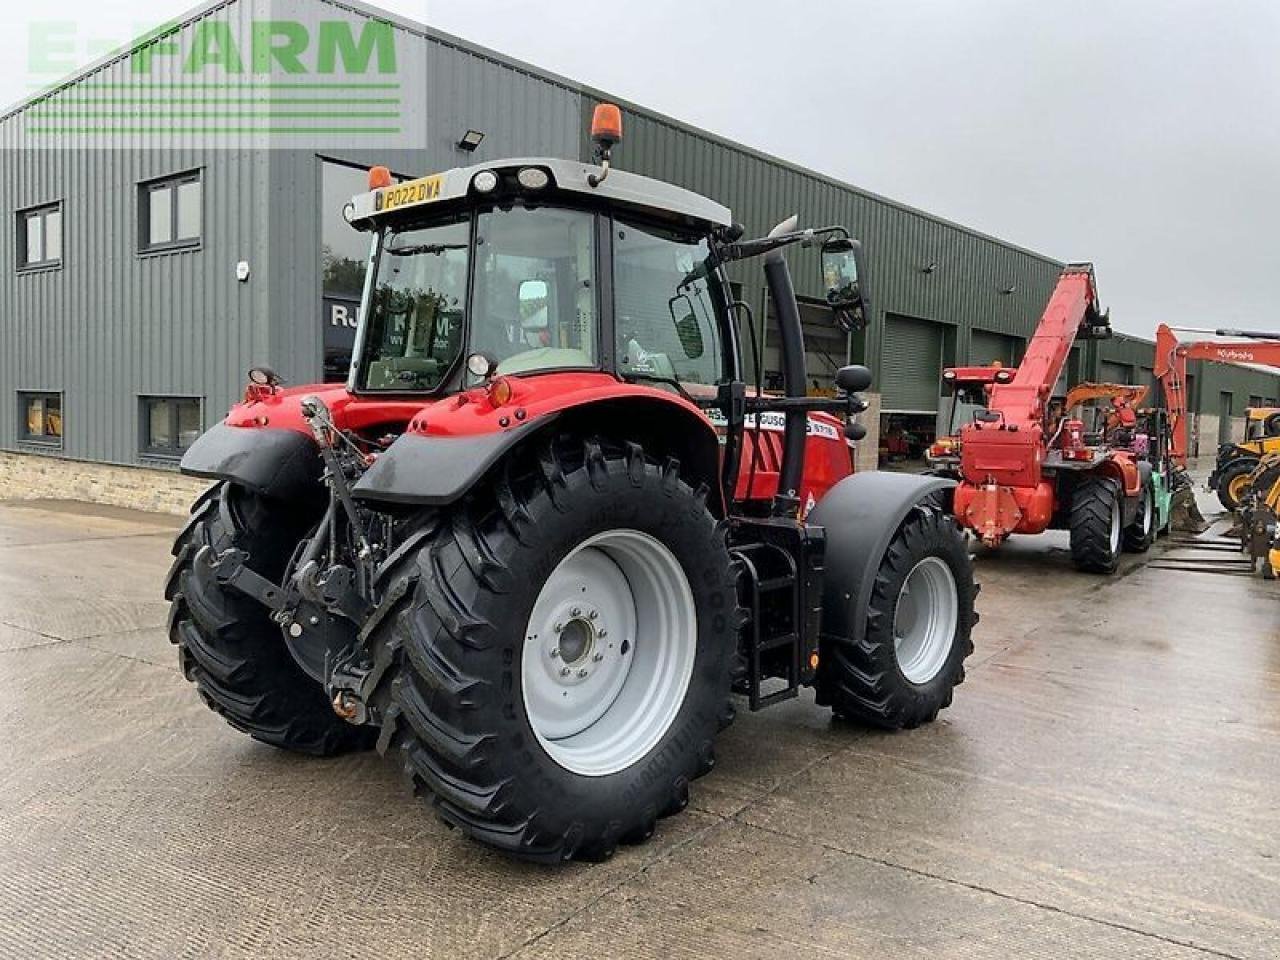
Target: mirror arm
[[727, 253]]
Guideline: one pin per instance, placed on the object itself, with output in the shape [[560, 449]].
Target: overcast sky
[[1141, 135]]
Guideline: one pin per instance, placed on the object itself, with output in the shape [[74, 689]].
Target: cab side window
[[665, 307]]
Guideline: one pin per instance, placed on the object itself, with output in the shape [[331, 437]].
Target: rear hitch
[[230, 568]]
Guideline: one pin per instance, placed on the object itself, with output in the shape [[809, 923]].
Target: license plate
[[410, 193]]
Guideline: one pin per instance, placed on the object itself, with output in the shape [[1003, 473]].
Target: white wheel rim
[[924, 619], [1148, 511], [1115, 527], [608, 652]]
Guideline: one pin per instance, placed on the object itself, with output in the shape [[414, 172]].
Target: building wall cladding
[[112, 325]]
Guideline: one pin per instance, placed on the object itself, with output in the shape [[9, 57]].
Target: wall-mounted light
[[470, 140], [1010, 288], [929, 267]]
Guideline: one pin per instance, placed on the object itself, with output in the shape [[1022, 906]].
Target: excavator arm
[[1172, 356], [1132, 395]]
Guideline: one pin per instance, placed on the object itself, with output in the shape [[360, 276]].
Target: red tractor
[[545, 529], [1027, 466]]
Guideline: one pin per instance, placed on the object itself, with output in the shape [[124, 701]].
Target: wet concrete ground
[[1106, 784]]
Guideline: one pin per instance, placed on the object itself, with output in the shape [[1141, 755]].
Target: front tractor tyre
[[1139, 535], [1233, 482], [1096, 525], [566, 637], [917, 634], [229, 646]]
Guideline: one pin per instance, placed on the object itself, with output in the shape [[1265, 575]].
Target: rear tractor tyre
[[1140, 534], [1096, 520], [918, 630], [229, 646], [566, 639], [1233, 482]]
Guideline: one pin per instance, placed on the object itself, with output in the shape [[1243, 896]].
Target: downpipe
[[786, 503]]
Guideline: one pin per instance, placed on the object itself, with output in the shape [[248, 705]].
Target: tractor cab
[[1261, 423], [522, 267], [968, 388]]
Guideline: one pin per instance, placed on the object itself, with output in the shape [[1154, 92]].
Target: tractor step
[[780, 566]]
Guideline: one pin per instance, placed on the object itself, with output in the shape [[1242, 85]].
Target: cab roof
[[568, 178]]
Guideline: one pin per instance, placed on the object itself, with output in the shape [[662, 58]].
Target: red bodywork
[[1005, 488], [1171, 373], [473, 412], [827, 460]]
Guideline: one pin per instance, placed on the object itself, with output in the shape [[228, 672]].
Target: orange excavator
[[1027, 466], [1236, 461]]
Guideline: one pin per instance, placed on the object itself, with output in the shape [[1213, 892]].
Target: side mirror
[[853, 378], [687, 329], [845, 282]]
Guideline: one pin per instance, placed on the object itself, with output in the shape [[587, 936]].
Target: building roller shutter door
[[987, 347], [911, 365], [1116, 372]]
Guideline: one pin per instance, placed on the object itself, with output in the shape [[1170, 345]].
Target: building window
[[170, 213], [40, 237], [41, 415], [169, 425]]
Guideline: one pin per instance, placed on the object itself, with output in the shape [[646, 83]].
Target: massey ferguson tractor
[[1027, 466], [545, 529]]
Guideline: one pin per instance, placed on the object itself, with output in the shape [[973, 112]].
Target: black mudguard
[[435, 471], [861, 514], [274, 463], [1131, 504]]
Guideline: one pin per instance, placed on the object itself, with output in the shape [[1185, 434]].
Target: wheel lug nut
[[593, 614], [582, 673], [577, 611], [598, 657], [564, 671], [603, 634], [558, 627], [555, 653]]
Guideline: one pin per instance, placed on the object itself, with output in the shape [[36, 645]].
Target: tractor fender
[[860, 515], [436, 470], [273, 462]]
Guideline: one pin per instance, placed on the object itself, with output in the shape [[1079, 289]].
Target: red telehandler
[[1026, 466]]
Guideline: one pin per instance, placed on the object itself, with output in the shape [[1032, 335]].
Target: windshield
[[418, 308], [533, 305], [667, 324]]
